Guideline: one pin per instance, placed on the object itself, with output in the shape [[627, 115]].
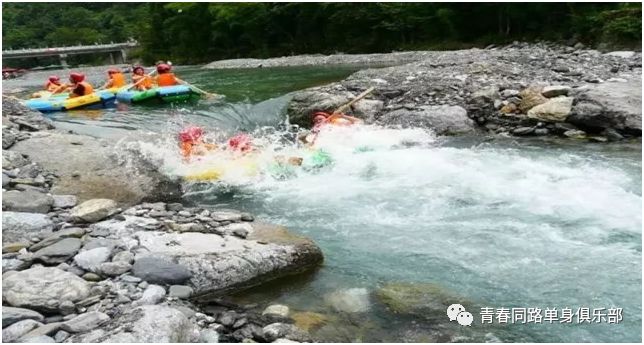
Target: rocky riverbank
[[81, 267], [322, 60], [518, 90]]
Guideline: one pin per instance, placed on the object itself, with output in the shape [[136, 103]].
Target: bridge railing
[[73, 48]]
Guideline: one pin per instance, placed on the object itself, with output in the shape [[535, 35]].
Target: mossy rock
[[308, 320], [427, 300]]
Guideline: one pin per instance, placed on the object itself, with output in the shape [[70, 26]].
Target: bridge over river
[[116, 51]]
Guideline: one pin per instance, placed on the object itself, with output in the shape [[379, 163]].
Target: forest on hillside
[[203, 32]]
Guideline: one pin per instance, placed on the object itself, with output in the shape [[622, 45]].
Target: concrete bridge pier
[[63, 60]]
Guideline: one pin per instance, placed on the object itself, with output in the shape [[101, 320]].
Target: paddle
[[204, 93], [128, 87], [360, 96]]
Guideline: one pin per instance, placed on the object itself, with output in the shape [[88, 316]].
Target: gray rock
[[442, 119], [91, 277], [15, 265], [216, 265], [36, 287], [18, 329], [92, 211], [11, 315], [94, 170], [130, 279], [59, 252], [622, 54], [227, 318], [113, 269], [575, 134], [67, 307], [21, 226], [489, 93], [368, 108], [8, 139], [57, 236], [276, 309], [304, 104], [5, 180], [123, 256], [507, 93], [208, 336], [145, 324], [275, 331], [180, 291], [160, 270], [85, 322], [225, 216], [39, 339], [554, 91], [27, 201], [13, 159], [61, 336], [47, 329], [14, 247], [65, 201], [152, 295], [610, 105], [90, 259], [554, 110]]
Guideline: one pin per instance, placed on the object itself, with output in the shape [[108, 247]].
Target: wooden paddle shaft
[[360, 96]]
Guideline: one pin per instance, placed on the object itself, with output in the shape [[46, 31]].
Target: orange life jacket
[[51, 87], [143, 85], [86, 89], [167, 79], [118, 80]]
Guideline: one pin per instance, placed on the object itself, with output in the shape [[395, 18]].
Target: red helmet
[[191, 133], [163, 68], [319, 118], [137, 68], [76, 77], [54, 79], [113, 70], [240, 142]]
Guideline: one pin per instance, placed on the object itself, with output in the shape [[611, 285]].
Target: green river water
[[501, 224]]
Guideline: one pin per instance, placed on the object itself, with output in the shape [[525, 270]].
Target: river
[[497, 223]]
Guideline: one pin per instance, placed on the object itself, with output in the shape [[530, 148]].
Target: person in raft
[[52, 84], [165, 77], [141, 81], [191, 143], [115, 78], [77, 87], [321, 119]]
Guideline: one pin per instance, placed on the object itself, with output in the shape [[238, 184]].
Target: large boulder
[[91, 168], [305, 103], [94, 210], [554, 110], [27, 201], [145, 324], [214, 264], [615, 105], [21, 226], [443, 119], [42, 288]]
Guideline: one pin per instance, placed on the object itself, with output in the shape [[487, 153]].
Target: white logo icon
[[465, 318], [457, 312], [453, 310]]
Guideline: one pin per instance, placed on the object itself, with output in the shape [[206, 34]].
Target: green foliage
[[199, 32]]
